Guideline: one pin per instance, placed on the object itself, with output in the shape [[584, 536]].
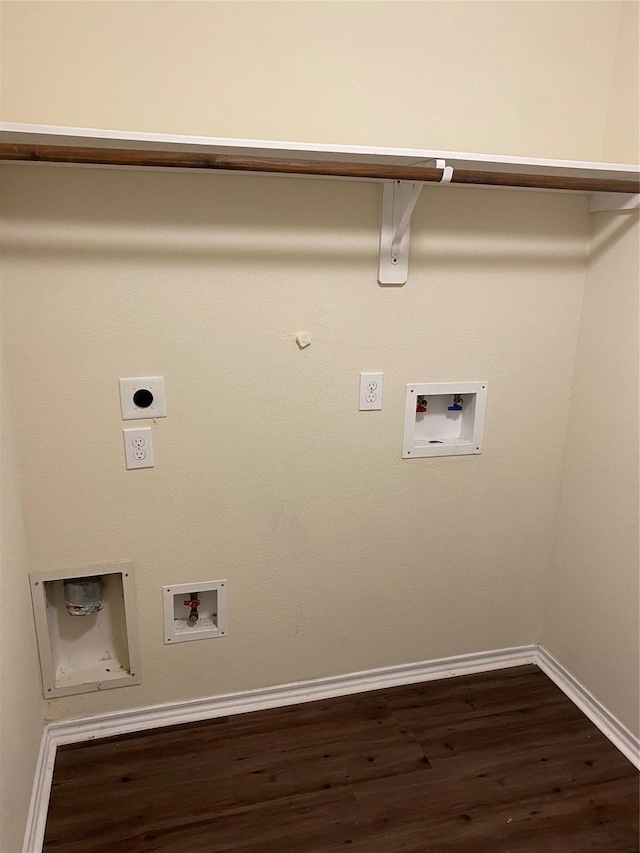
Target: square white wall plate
[[212, 611], [437, 426]]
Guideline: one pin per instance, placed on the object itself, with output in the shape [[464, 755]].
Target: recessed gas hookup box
[[444, 419]]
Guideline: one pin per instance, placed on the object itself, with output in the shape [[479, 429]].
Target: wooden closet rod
[[291, 166]]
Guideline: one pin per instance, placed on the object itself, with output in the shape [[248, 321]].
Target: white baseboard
[[40, 793], [610, 726], [125, 722], [174, 713]]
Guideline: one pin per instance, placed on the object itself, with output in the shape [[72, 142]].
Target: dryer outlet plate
[[142, 397]]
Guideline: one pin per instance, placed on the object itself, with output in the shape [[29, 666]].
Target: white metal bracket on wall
[[398, 202], [620, 202]]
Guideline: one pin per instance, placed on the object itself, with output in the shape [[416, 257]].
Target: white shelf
[[399, 196], [40, 134]]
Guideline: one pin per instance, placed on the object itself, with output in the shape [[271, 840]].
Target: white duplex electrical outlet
[[370, 392], [138, 447]]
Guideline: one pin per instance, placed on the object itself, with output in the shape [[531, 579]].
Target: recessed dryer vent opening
[[86, 628], [444, 419]]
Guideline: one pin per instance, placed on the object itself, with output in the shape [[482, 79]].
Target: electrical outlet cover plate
[[212, 611], [370, 398], [138, 447], [442, 430], [149, 393]]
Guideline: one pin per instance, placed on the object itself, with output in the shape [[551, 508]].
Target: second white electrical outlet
[[138, 448], [370, 392]]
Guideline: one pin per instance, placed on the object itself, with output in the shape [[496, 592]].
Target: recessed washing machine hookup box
[[444, 419]]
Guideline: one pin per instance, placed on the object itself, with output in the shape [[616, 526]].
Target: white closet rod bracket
[[398, 202], [619, 202]]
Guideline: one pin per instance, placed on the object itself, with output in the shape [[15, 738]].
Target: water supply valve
[[421, 403], [457, 404], [193, 603]]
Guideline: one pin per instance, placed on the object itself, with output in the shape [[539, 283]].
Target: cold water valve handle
[[457, 404]]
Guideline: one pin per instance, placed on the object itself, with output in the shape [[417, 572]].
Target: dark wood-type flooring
[[500, 762]]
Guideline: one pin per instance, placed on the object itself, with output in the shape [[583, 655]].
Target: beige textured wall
[[513, 78], [591, 622], [21, 703], [622, 137], [340, 555]]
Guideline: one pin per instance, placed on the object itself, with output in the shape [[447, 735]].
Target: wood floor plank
[[477, 813], [218, 769], [453, 700], [500, 762], [323, 821]]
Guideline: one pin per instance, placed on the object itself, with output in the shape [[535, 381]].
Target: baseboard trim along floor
[[125, 722], [610, 726]]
